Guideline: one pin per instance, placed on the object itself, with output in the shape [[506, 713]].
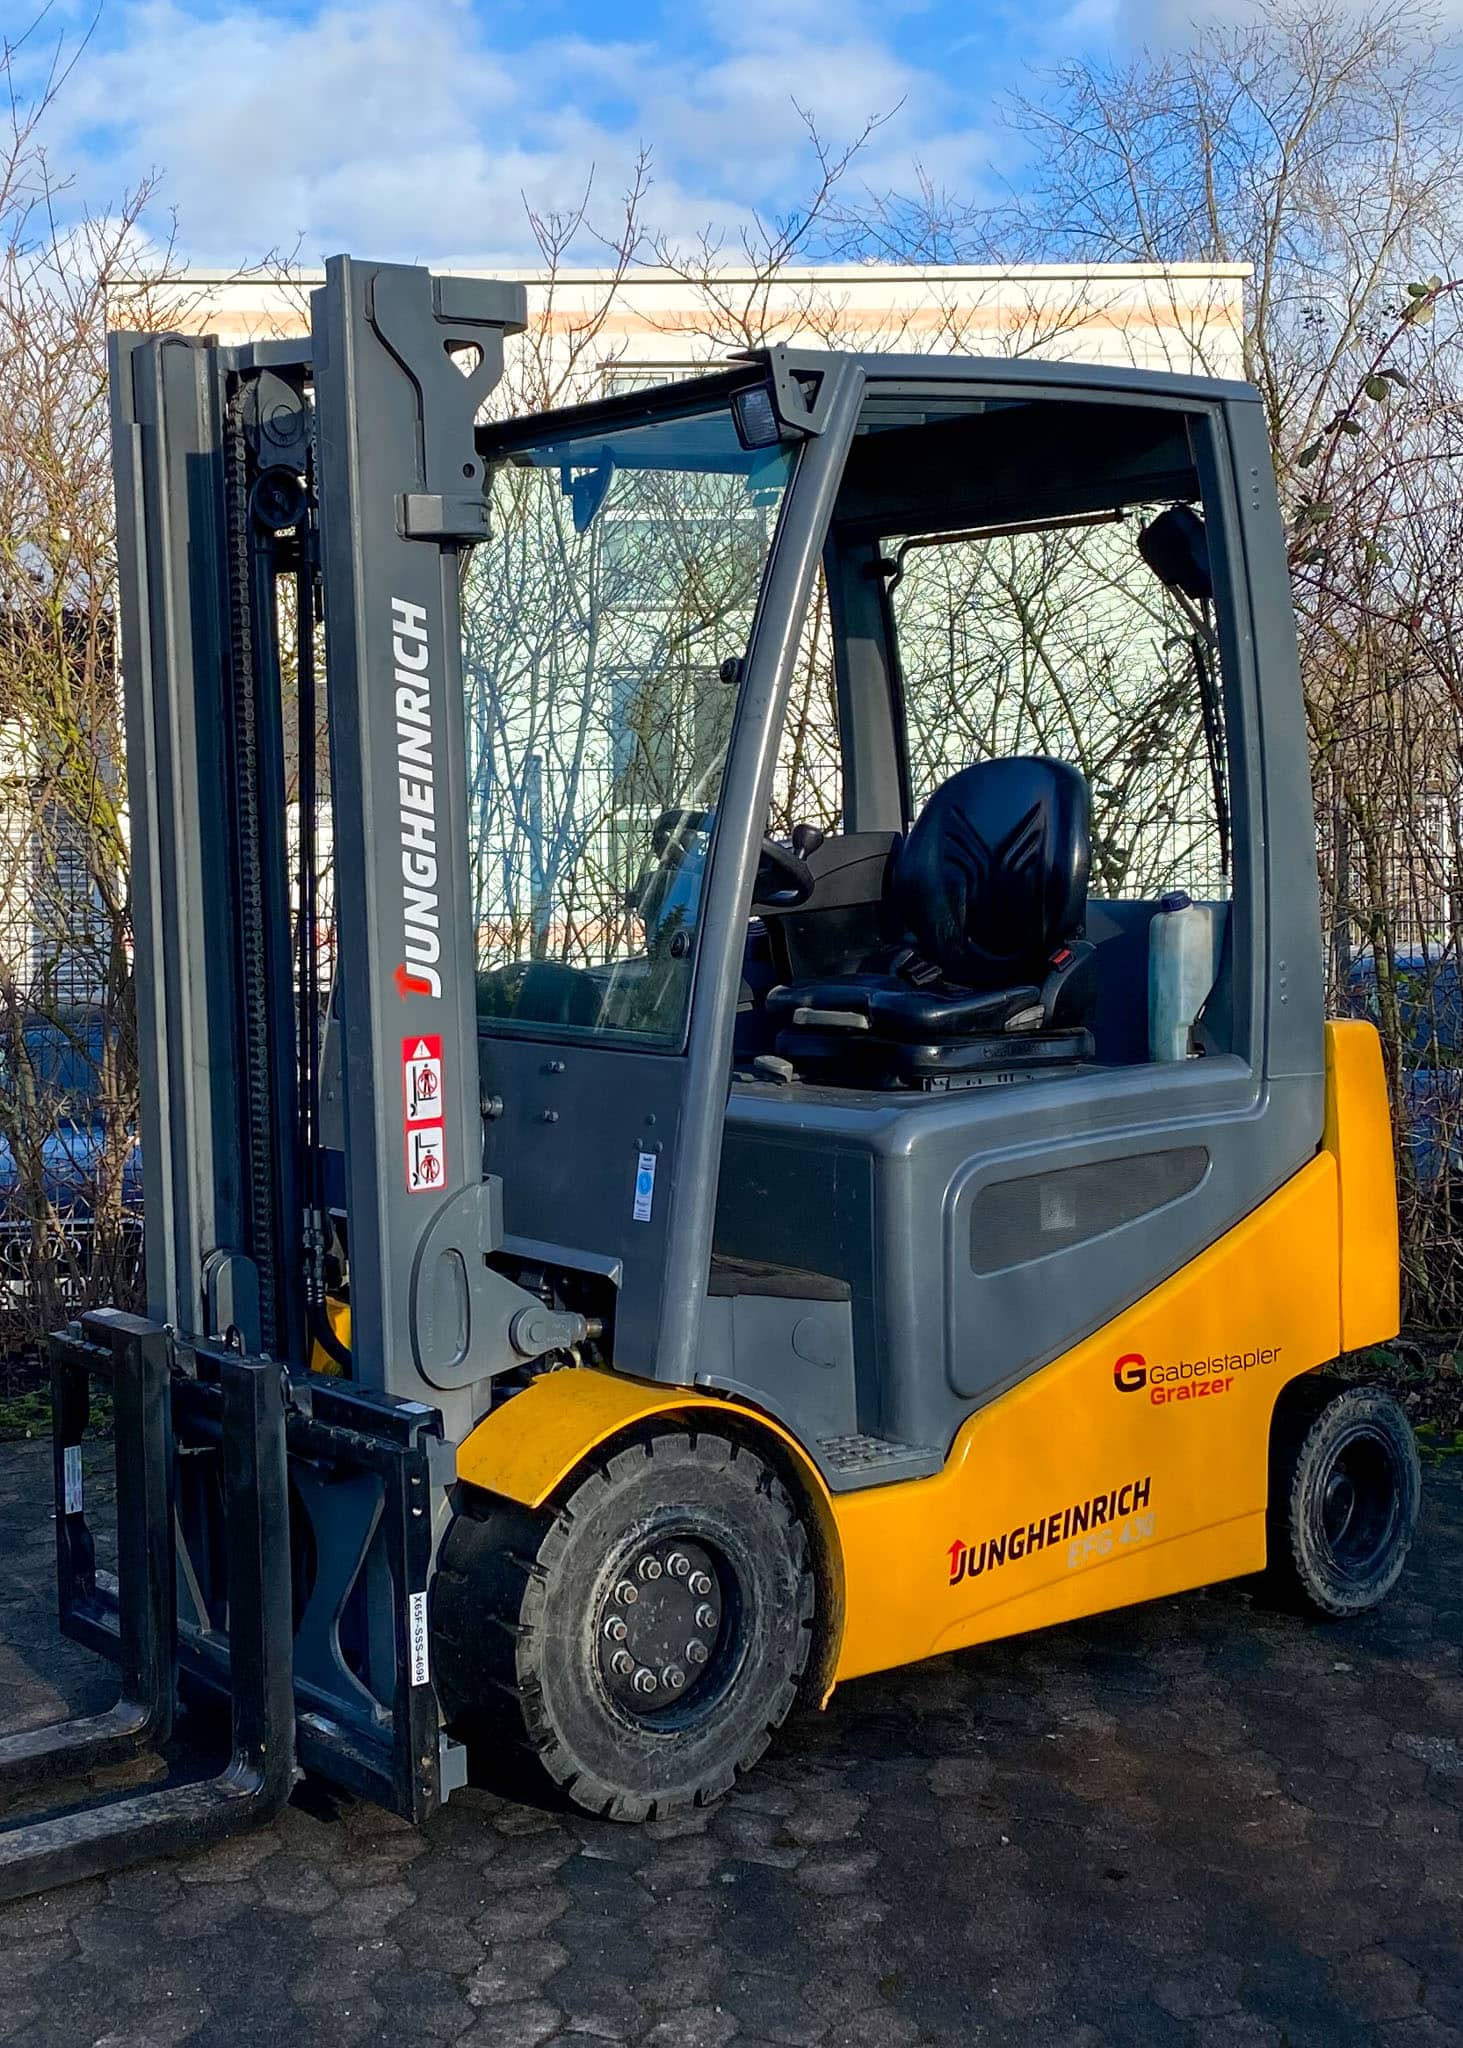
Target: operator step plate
[[850, 1461]]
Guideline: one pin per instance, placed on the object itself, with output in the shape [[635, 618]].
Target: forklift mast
[[348, 464], [249, 481]]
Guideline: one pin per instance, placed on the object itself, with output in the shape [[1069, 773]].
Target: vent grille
[[1015, 1221]]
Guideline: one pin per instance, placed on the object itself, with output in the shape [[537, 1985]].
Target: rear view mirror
[[1175, 546], [587, 489]]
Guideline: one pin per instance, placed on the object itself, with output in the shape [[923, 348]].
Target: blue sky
[[412, 131]]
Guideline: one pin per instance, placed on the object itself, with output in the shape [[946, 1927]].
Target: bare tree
[[1323, 148], [67, 1029]]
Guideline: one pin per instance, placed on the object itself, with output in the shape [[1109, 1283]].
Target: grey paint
[[874, 768], [884, 1184], [582, 1117], [400, 494], [168, 467], [873, 1189], [793, 1358], [891, 1179]]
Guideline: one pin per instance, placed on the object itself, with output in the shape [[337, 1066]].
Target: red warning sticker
[[423, 1113]]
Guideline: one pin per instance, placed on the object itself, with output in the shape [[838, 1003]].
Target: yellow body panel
[[1126, 1413], [527, 1448], [338, 1315], [1359, 1133], [1133, 1466]]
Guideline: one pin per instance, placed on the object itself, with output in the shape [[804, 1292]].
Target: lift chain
[[246, 779]]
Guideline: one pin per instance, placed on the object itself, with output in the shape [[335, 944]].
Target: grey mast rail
[[401, 495]]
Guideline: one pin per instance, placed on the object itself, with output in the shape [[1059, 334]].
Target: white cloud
[[406, 132]]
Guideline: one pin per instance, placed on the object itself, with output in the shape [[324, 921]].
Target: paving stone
[[235, 1858], [773, 2008], [453, 1945], [369, 1910], [683, 1864], [828, 1819], [597, 2003], [338, 2023], [1222, 1829], [600, 2025], [523, 2025], [515, 1971], [679, 1978], [828, 1874], [1236, 2030], [17, 2017], [1378, 1986], [878, 2029], [423, 2001], [159, 2030], [341, 1970], [695, 2027], [291, 1884], [530, 1911]]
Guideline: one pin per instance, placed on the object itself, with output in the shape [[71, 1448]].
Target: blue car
[[63, 1058], [1430, 1003]]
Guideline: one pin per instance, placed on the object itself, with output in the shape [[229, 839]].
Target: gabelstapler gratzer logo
[[424, 1112], [1189, 1379]]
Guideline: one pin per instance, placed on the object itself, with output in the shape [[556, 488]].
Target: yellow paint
[[527, 1448], [1071, 1433], [338, 1314], [530, 1445], [1172, 1481], [1359, 1133], [1311, 1272]]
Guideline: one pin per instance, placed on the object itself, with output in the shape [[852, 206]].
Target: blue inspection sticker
[[644, 1187]]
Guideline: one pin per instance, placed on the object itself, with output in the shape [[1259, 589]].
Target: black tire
[[528, 1620], [1345, 1489]]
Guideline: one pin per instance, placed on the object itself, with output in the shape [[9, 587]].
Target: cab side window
[[1064, 641]]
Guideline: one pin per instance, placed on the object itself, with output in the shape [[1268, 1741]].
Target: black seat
[[990, 889]]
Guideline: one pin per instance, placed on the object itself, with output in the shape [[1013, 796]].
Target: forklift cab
[[819, 871], [825, 1149]]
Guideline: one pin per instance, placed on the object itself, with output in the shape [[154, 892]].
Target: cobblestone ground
[[1190, 1823]]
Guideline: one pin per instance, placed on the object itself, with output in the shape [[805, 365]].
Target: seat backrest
[[992, 879]]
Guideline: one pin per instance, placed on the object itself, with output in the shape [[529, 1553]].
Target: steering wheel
[[784, 879], [788, 873]]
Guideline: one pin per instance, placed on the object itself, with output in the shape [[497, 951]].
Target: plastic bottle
[[1184, 941]]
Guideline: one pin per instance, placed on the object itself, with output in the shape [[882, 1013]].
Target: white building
[[557, 866], [1185, 316]]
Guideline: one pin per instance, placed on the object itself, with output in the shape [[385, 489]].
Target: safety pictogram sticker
[[424, 1113], [423, 1060]]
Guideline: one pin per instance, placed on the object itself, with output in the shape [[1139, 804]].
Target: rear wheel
[[637, 1648], [1344, 1496]]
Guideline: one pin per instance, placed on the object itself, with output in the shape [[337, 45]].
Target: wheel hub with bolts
[[658, 1624]]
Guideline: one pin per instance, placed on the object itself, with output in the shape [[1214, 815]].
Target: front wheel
[[637, 1648], [1345, 1489]]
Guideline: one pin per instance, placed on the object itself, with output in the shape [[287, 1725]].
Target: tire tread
[[492, 1594]]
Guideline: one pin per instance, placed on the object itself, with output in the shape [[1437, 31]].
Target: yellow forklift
[[623, 1253]]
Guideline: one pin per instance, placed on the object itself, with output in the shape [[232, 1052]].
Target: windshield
[[603, 625]]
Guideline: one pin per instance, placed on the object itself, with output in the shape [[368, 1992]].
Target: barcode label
[[71, 1472], [416, 1628]]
